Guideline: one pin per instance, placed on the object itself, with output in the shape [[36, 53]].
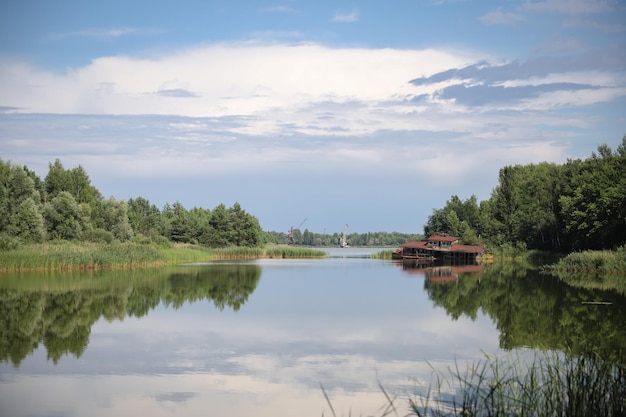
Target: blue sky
[[367, 113]]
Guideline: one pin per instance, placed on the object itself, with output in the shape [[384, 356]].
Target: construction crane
[[344, 238], [292, 239]]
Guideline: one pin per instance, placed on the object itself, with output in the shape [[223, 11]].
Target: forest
[[578, 205], [66, 206]]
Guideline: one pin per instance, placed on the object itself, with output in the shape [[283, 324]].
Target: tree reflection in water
[[58, 310], [531, 309]]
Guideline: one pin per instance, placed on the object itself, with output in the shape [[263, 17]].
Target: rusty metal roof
[[422, 244], [443, 238], [414, 244]]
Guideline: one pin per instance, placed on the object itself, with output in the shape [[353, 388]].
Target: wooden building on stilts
[[439, 248]]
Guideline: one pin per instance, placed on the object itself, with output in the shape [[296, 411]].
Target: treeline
[[66, 206], [372, 239], [579, 205]]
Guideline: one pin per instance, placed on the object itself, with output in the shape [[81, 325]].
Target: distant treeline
[[376, 239], [580, 205]]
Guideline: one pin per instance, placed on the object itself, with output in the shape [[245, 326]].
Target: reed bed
[[69, 256], [603, 262], [385, 254], [553, 385], [235, 253], [65, 256], [604, 270], [282, 251]]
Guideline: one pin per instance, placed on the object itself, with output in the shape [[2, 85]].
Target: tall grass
[[67, 256], [551, 385], [85, 256], [282, 251], [605, 270], [385, 254], [235, 252], [604, 262]]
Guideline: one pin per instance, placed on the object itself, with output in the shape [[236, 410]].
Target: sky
[[364, 113]]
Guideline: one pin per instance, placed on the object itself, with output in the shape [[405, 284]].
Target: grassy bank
[[605, 270], [601, 262], [550, 385], [68, 256]]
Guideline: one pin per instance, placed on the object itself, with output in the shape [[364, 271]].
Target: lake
[[262, 337]]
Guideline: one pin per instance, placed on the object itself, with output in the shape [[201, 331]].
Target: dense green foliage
[[65, 206], [580, 205]]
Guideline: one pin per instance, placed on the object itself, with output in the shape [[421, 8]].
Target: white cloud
[[346, 17], [99, 33], [268, 81], [569, 6], [499, 17]]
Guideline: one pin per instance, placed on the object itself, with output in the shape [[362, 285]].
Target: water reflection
[[59, 310], [218, 340], [531, 309]]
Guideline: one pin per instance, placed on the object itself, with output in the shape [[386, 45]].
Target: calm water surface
[[258, 338]]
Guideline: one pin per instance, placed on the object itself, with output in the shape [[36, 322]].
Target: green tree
[[593, 205], [198, 223], [221, 227], [63, 217], [77, 183], [116, 219], [81, 187], [179, 227], [505, 203], [308, 238], [20, 187], [27, 222], [245, 228], [5, 174], [532, 191], [143, 216], [57, 180], [456, 218], [20, 205]]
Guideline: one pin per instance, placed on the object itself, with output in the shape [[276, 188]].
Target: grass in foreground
[[551, 385]]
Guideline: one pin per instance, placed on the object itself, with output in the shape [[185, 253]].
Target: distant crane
[[292, 239], [344, 237]]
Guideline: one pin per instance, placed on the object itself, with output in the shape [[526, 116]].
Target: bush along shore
[[597, 262], [69, 256], [592, 269]]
